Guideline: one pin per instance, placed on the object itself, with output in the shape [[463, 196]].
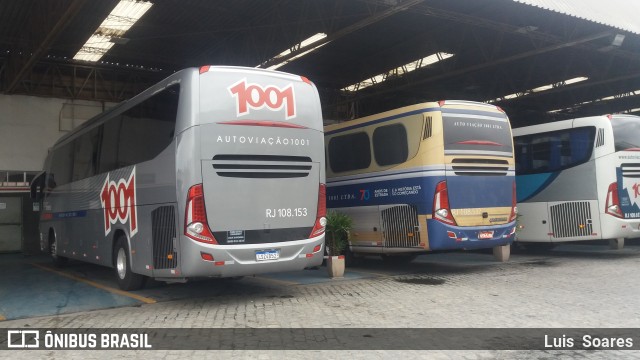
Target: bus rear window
[[471, 135]]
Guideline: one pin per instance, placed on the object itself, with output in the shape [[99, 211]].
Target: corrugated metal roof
[[619, 14]]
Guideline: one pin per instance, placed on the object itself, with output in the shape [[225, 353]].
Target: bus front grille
[[479, 167], [262, 166], [571, 219], [163, 232], [401, 227]]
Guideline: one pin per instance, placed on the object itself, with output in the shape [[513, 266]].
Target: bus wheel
[[349, 258], [127, 280], [616, 244], [502, 253], [58, 261]]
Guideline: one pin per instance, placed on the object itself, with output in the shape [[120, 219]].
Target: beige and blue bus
[[213, 172], [426, 177]]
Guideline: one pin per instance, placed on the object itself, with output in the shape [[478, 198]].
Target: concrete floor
[[573, 286]]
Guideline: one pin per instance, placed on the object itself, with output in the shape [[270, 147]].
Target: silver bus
[[213, 172]]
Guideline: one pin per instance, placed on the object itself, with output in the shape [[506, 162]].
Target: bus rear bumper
[[614, 228], [447, 237], [242, 260]]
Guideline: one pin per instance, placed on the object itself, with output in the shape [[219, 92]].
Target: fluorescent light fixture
[[309, 41], [631, 111], [606, 98], [119, 20], [399, 71], [617, 40], [540, 89]]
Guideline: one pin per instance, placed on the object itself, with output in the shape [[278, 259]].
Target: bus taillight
[[612, 206], [514, 208], [321, 220], [195, 217], [441, 209]]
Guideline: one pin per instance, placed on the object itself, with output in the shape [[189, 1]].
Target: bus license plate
[[267, 255], [483, 235]]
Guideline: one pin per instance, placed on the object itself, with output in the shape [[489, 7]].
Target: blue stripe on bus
[[69, 214], [336, 182], [496, 192], [528, 186]]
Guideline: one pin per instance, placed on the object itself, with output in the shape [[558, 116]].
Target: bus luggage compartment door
[[400, 226]]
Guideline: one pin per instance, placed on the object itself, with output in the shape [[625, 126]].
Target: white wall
[[30, 125]]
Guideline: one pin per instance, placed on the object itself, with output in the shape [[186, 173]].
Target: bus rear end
[[257, 202], [474, 206], [620, 217]]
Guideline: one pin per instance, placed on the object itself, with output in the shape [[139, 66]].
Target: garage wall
[[30, 125]]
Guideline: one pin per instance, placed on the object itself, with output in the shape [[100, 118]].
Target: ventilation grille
[[600, 138], [401, 228], [630, 170], [163, 230], [428, 124], [480, 167], [571, 219], [262, 166]]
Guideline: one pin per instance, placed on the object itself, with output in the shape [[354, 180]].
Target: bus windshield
[[626, 133], [475, 135]]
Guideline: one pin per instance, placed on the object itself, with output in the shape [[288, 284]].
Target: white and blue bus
[[213, 172], [579, 179], [426, 177]]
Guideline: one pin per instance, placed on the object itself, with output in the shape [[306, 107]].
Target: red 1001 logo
[[119, 202], [254, 96]]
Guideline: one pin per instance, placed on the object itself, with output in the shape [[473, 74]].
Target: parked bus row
[[220, 171]]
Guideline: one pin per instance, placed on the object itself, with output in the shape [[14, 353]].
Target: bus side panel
[[366, 235], [534, 222]]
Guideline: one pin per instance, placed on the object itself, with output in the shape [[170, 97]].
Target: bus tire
[[616, 244], [58, 261], [502, 253], [127, 279], [349, 258]]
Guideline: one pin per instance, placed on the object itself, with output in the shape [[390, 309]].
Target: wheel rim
[[53, 249], [121, 263]]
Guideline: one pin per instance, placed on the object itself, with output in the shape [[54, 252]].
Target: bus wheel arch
[[58, 261], [127, 279]]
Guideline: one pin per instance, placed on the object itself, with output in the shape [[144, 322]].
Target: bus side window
[[109, 145], [61, 166], [541, 154], [147, 128], [85, 154]]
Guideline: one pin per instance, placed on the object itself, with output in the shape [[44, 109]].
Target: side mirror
[[37, 186]]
